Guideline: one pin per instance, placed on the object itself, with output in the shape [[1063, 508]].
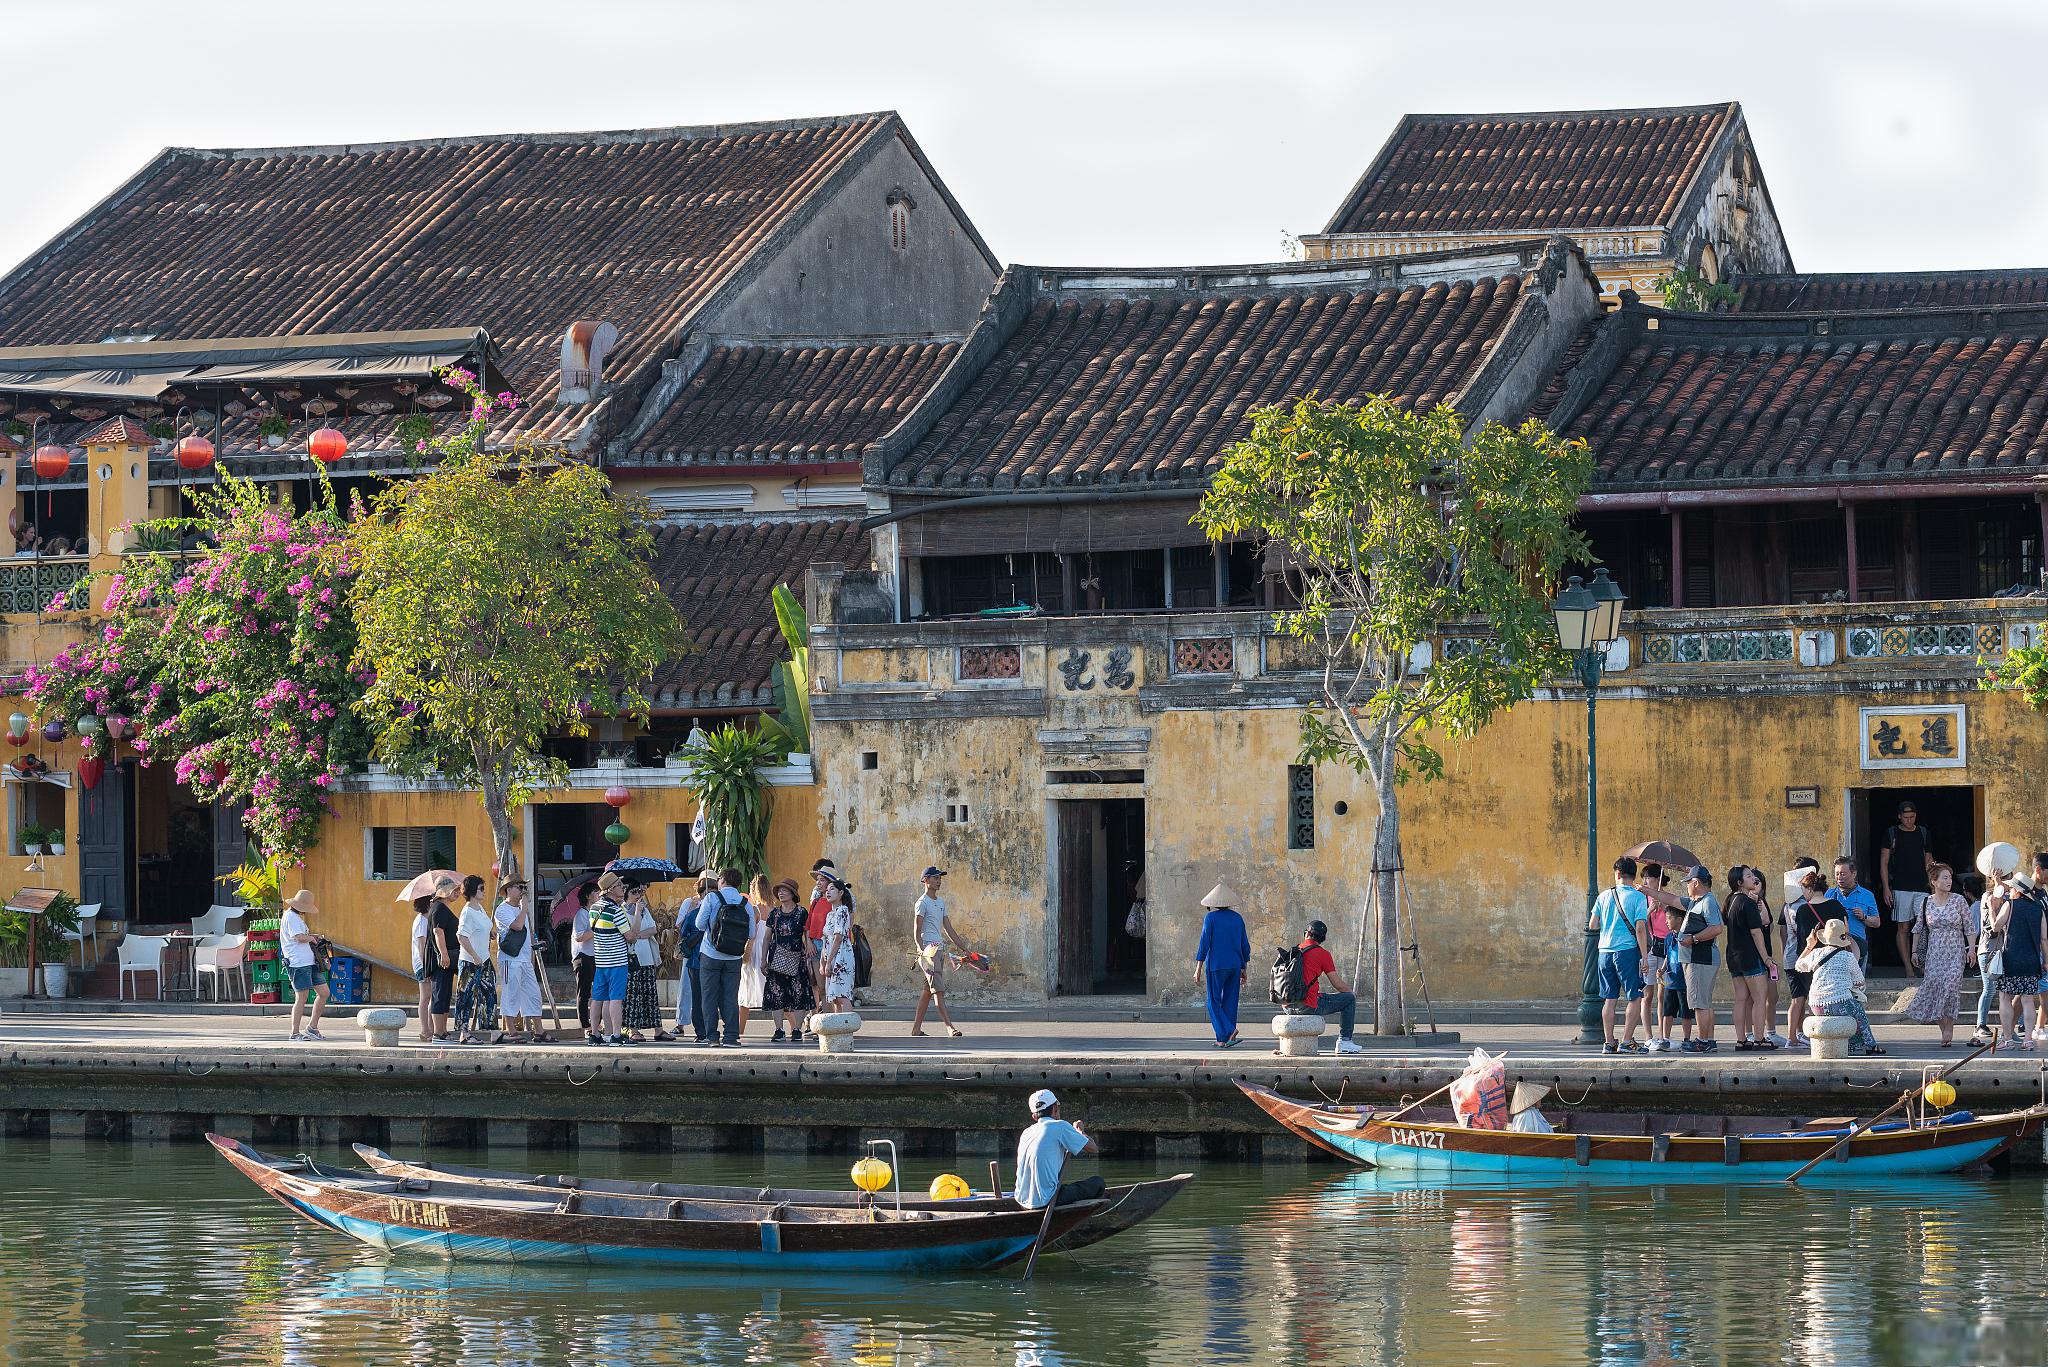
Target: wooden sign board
[[32, 901]]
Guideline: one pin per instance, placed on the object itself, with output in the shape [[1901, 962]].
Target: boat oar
[[1031, 1263], [1904, 1097]]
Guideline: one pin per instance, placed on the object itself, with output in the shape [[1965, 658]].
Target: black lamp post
[[1588, 621]]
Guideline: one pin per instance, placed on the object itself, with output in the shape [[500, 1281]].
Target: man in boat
[[1042, 1155]]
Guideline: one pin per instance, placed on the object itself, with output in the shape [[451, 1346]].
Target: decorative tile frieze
[[1204, 656], [984, 663]]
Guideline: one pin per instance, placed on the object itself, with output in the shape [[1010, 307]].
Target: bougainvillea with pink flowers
[[234, 663]]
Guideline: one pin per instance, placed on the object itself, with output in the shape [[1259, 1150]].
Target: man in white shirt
[[1042, 1154], [298, 940], [933, 930]]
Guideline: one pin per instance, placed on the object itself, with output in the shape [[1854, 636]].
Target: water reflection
[[116, 1254]]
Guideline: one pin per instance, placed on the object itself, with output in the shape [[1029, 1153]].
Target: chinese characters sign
[[1914, 737]]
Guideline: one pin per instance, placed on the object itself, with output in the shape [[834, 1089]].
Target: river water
[[162, 1254]]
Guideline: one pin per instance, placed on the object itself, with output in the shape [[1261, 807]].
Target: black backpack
[[1290, 983], [863, 959], [732, 927]]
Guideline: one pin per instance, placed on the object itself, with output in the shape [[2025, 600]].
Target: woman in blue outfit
[[1223, 952]]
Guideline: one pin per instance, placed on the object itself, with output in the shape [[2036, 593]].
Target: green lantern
[[90, 725], [618, 833]]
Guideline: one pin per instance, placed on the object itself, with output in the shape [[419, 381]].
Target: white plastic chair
[[217, 958], [143, 954], [215, 922], [88, 929]]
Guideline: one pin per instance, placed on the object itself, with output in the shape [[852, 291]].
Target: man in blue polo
[[1622, 917], [1860, 903]]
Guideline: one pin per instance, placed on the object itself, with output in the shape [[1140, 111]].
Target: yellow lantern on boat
[[1939, 1094], [950, 1187], [871, 1175]]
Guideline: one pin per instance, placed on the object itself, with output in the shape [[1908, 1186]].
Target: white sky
[[1893, 136]]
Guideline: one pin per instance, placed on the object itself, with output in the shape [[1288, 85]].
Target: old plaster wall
[[1735, 218]]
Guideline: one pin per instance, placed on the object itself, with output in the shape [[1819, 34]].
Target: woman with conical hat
[[1221, 956]]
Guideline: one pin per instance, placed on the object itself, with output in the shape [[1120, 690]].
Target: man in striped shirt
[[610, 929]]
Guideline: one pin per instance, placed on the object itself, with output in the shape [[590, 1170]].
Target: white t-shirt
[[1042, 1155], [645, 952], [503, 917], [579, 928], [474, 928], [420, 932], [931, 920], [297, 953]]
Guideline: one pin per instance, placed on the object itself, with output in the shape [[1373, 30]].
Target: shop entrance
[[1953, 817], [171, 833], [1099, 854]]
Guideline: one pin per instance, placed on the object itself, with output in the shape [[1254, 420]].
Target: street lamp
[[1588, 621]]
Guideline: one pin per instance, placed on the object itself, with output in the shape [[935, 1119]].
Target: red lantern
[[617, 796], [194, 453], [20, 740], [52, 462], [90, 770], [327, 445]]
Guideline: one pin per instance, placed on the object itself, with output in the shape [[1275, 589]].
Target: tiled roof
[[1125, 379], [1483, 173], [759, 403], [1797, 399], [519, 235], [1876, 290], [720, 576], [118, 431]]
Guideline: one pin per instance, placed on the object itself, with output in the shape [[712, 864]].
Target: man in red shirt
[[814, 925], [1318, 968]]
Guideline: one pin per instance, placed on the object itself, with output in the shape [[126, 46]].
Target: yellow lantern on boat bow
[[871, 1175], [1939, 1094], [950, 1187]]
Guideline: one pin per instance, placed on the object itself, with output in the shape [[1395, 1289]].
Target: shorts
[[931, 959], [444, 990], [1675, 1004], [304, 978], [1747, 972], [423, 974], [2018, 985], [1699, 985], [1907, 906], [1621, 974], [609, 984], [1797, 983]]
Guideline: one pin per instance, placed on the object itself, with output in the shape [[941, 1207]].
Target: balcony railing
[[27, 584]]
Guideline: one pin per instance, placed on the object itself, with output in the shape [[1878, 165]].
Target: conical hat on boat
[[1527, 1094]]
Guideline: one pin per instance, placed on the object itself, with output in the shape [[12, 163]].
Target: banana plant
[[791, 726], [726, 774]]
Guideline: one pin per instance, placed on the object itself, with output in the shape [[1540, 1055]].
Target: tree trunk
[[498, 811], [1388, 1017]]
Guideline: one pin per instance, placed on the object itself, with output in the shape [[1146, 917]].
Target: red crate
[[263, 998]]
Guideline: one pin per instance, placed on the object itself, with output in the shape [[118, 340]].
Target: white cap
[[1042, 1101]]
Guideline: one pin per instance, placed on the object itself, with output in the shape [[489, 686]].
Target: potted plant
[[17, 431], [165, 432], [273, 430], [53, 840], [51, 946], [31, 837], [414, 431]]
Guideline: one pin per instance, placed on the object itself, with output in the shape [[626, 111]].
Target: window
[[900, 205], [1301, 807], [398, 853], [40, 806], [956, 814], [870, 760]]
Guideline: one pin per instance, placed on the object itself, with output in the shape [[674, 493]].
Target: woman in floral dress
[[786, 992], [837, 956], [1941, 948]]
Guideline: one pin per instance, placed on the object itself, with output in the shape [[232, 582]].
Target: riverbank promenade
[[1151, 1087]]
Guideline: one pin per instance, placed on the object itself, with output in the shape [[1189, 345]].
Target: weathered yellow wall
[[1495, 853]]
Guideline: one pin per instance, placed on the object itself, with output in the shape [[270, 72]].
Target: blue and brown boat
[[1670, 1147], [452, 1220]]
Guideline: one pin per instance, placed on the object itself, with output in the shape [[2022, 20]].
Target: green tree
[[1394, 525], [725, 773], [1687, 291], [500, 599], [791, 726]]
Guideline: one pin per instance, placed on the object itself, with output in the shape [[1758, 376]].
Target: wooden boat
[[1695, 1148], [453, 1220], [1123, 1206]]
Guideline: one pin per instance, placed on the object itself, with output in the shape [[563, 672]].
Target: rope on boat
[[570, 1073], [1337, 1100], [1558, 1092], [196, 1073]]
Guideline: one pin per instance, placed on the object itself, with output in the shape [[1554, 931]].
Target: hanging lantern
[[618, 796], [618, 833], [327, 445], [194, 453], [90, 770], [53, 730], [52, 462], [17, 725], [90, 725], [121, 728], [1939, 1094], [871, 1175]]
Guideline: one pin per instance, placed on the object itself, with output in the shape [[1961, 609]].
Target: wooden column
[[1677, 557], [1222, 574], [2041, 551], [1849, 528], [1909, 552], [1068, 585]]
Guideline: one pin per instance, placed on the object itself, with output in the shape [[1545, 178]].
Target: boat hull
[[1432, 1148], [420, 1220]]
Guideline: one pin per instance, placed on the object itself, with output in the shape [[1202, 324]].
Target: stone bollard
[[1829, 1036], [835, 1031], [381, 1025], [1298, 1035]]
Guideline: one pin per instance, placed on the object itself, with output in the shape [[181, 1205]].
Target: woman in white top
[[518, 973], [1837, 977], [643, 1003], [300, 958], [476, 999], [836, 960], [753, 980]]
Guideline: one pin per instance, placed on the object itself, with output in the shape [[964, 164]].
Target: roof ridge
[[1527, 116], [602, 137]]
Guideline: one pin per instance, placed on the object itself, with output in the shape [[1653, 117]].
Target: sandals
[[955, 1031]]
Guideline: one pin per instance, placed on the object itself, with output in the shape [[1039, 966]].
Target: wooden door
[[104, 832], [1074, 838], [230, 843]]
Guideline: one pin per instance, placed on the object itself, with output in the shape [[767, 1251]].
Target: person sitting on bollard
[[1836, 971], [1327, 992], [1042, 1154], [1221, 954]]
